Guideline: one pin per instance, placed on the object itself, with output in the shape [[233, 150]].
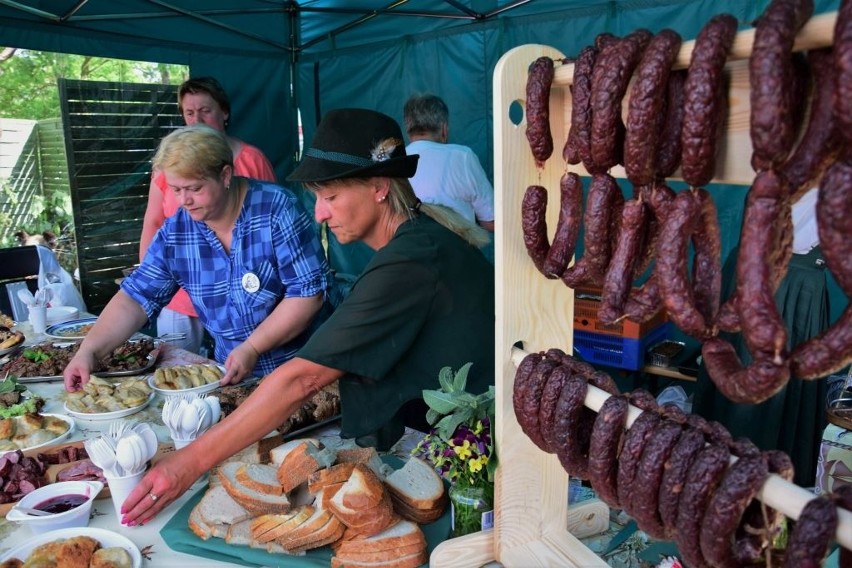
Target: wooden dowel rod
[[817, 32], [776, 492]]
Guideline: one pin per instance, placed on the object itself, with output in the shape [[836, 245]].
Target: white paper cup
[[120, 488], [38, 318]]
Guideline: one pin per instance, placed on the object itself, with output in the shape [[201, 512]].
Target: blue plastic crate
[[615, 351]]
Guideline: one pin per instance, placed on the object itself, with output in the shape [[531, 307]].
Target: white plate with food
[[107, 539], [71, 329], [97, 416], [37, 434], [186, 379], [10, 340]]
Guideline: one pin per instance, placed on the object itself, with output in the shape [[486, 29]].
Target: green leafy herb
[[36, 355], [29, 406]]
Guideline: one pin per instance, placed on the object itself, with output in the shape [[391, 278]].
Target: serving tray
[[150, 361]]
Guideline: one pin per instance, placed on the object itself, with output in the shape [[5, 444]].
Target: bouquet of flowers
[[460, 444]]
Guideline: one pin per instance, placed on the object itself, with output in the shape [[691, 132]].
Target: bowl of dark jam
[[65, 504]]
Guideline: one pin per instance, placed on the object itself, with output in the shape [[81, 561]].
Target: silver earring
[[382, 198]]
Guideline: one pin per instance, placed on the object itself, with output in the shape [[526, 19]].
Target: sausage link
[[812, 535], [682, 456], [603, 204], [672, 271], [834, 222], [631, 452], [539, 82], [604, 446], [568, 226], [819, 146], [574, 428], [534, 225], [826, 353], [669, 150], [645, 107], [702, 479], [577, 147], [610, 79], [843, 70], [707, 266], [522, 376], [649, 475], [619, 273], [762, 379], [763, 328], [547, 407], [740, 484], [705, 99], [530, 400], [770, 76], [644, 302]]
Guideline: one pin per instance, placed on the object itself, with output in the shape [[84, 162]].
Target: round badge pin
[[251, 283]]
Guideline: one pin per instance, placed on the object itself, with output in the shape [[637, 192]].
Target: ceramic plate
[[106, 538], [68, 432], [110, 415], [197, 390], [71, 329], [179, 392]]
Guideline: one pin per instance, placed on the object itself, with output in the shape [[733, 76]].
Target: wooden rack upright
[[531, 493]]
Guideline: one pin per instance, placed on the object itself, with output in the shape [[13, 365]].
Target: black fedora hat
[[355, 142]]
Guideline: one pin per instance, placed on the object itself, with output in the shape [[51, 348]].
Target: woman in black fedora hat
[[425, 301]]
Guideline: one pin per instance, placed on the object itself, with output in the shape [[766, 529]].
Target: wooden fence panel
[[111, 132], [20, 171]]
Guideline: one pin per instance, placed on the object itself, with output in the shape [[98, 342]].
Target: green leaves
[[36, 355]]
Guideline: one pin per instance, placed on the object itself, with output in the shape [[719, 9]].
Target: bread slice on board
[[278, 453], [218, 507], [286, 524], [337, 473]]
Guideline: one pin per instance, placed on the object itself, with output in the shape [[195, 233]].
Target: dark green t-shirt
[[425, 301]]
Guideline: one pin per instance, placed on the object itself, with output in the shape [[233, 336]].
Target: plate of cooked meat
[[46, 361]]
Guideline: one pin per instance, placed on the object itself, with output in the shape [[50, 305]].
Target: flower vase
[[472, 509]]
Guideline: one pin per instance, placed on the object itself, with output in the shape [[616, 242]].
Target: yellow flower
[[478, 428], [476, 465], [463, 451]]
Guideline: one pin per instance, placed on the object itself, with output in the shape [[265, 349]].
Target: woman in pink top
[[201, 100]]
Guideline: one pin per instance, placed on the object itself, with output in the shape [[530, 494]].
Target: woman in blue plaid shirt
[[247, 253]]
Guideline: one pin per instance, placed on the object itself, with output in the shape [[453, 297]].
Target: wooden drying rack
[[531, 489]]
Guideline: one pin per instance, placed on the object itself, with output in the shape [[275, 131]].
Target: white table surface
[[155, 552]]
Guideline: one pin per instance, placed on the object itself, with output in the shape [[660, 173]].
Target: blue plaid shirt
[[274, 239]]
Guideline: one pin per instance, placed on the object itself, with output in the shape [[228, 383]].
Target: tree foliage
[[29, 90], [29, 78]]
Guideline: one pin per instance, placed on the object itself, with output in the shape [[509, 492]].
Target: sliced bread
[[218, 507], [260, 477], [384, 554], [402, 533], [278, 453], [286, 524], [337, 473], [197, 525], [421, 516], [363, 489], [409, 561], [329, 534], [417, 484], [253, 501], [300, 462]]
